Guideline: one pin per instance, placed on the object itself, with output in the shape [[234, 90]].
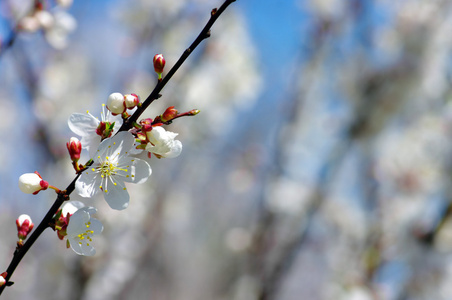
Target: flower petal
[[96, 226], [117, 196], [176, 149], [87, 250], [76, 247], [71, 207], [77, 222], [88, 184], [91, 143], [116, 146], [82, 124], [138, 170]]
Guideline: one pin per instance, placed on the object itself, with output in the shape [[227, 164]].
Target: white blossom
[[81, 229], [113, 167], [162, 143], [91, 129]]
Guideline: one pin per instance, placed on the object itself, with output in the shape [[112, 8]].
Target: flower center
[[85, 237], [105, 129], [108, 169]]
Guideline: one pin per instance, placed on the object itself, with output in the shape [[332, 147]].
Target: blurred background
[[318, 168]]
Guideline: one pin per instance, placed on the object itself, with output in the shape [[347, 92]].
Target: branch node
[[208, 33], [214, 11]]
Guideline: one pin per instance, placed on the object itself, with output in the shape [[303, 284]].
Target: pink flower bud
[[115, 104], [131, 100], [24, 226], [169, 114], [159, 64], [75, 148], [32, 183], [146, 125]]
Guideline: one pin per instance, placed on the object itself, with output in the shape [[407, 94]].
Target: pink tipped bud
[[115, 104], [159, 64], [75, 148], [131, 100], [169, 114], [24, 226], [32, 183]]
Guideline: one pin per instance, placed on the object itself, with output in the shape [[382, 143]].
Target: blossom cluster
[[56, 24], [115, 160]]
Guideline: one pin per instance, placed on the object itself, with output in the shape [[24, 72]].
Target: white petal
[[88, 250], [75, 246], [116, 146], [88, 184], [176, 149], [138, 170], [90, 210], [82, 124], [91, 143], [77, 223], [117, 196], [71, 207], [96, 226], [127, 142]]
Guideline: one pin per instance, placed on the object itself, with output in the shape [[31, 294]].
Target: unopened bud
[[32, 183], [159, 64], [194, 112], [131, 100], [146, 125], [2, 279], [74, 146], [115, 103], [24, 226], [169, 114]]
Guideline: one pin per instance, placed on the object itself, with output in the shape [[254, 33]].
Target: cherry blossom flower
[[111, 168], [92, 130], [162, 143], [81, 229]]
